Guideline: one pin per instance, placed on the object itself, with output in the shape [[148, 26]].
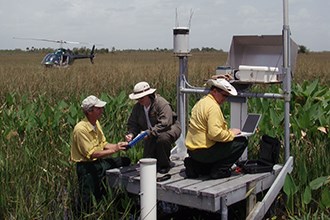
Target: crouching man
[[212, 146], [92, 152]]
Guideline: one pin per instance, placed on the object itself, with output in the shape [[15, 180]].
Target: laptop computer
[[250, 125]]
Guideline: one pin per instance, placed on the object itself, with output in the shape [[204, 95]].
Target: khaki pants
[[160, 147]]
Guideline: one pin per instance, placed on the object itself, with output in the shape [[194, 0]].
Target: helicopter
[[62, 57]]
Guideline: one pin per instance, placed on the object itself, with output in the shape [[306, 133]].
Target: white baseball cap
[[91, 101]]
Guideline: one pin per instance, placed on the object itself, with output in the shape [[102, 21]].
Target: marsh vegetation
[[39, 108]]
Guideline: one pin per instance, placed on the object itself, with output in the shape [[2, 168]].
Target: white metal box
[[260, 51], [258, 74]]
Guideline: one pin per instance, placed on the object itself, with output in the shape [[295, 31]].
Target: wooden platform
[[201, 193]]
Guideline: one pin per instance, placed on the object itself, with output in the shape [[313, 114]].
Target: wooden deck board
[[201, 193]]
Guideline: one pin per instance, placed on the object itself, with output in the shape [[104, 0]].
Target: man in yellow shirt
[[91, 152], [212, 146]]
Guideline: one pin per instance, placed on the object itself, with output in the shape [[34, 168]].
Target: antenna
[[176, 18], [191, 14]]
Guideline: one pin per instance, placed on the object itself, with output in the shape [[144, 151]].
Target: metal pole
[[240, 94], [181, 50], [287, 78], [180, 150], [182, 97]]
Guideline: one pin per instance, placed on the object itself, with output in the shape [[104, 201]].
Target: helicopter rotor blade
[[49, 40], [39, 39]]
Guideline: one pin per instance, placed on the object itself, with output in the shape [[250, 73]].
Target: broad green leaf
[[318, 182], [307, 197], [289, 187], [325, 197], [71, 121], [73, 111], [62, 105], [305, 119], [310, 88], [302, 169]]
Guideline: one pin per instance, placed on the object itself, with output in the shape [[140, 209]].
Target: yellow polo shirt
[[207, 125], [86, 140]]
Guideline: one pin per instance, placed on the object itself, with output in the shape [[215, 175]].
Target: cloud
[[149, 23]]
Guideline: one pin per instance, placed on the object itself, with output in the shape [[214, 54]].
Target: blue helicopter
[[62, 57], [65, 57]]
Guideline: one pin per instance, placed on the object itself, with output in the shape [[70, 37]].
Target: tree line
[[86, 50]]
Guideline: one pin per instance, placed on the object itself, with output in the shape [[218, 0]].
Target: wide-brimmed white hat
[[140, 90], [91, 101], [223, 85]]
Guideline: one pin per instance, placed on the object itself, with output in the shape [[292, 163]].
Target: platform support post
[[148, 189], [252, 197], [224, 209]]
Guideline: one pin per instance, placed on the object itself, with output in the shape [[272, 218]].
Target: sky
[[148, 24]]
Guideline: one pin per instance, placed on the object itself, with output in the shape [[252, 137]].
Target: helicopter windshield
[[51, 59], [60, 51]]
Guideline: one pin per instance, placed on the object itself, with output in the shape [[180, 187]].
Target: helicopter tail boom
[[92, 54]]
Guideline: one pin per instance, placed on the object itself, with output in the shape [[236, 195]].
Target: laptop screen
[[251, 123]]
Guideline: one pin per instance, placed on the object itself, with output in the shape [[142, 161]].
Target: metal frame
[[239, 108]]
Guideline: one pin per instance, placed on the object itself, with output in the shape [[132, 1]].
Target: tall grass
[[39, 108]]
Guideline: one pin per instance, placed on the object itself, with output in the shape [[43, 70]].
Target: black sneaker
[[163, 170], [190, 171]]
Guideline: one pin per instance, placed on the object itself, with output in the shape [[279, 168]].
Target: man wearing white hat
[[212, 146], [154, 114], [92, 152]]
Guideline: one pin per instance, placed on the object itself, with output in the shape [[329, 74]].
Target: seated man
[[212, 146]]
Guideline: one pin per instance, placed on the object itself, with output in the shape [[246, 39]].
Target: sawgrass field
[[40, 106]]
